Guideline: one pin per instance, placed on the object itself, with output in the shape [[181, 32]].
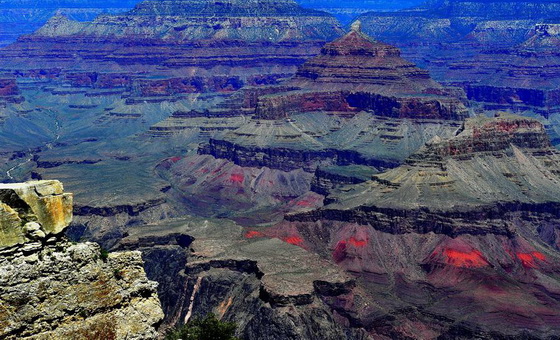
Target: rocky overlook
[[53, 289]]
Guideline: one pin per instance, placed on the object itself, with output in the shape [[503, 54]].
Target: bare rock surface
[[234, 273], [53, 289], [458, 242]]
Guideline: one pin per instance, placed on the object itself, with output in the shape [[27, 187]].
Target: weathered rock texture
[[181, 33], [492, 166], [320, 115], [500, 52], [357, 73], [53, 289], [25, 207], [20, 17], [459, 242], [267, 284]]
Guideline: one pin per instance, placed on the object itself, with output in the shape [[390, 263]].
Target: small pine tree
[[209, 328]]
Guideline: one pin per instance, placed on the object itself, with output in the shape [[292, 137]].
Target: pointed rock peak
[[358, 43], [59, 15], [356, 26]]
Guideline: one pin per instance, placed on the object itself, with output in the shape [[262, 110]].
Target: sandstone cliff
[[51, 288]]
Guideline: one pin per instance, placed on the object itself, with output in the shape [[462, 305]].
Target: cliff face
[[267, 284], [181, 33], [328, 112], [500, 52], [53, 289], [357, 73], [25, 16], [477, 208]]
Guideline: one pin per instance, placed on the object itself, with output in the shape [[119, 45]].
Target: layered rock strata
[[321, 117], [183, 34], [468, 223], [357, 73], [233, 273], [53, 289], [497, 51], [493, 166]]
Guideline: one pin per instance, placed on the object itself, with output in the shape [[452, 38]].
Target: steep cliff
[[492, 165], [267, 284], [333, 111], [357, 73], [53, 289], [468, 223], [181, 34], [500, 52], [20, 17]]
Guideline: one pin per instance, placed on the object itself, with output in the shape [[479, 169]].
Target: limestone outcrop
[[51, 288]]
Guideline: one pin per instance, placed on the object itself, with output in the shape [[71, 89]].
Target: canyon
[[261, 163], [501, 53]]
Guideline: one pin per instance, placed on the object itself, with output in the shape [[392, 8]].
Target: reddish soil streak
[[472, 259], [297, 241], [254, 234], [528, 259], [237, 178]]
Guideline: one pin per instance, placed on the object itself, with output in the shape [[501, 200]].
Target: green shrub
[[103, 254], [209, 328]]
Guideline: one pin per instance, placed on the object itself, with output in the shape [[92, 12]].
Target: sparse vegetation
[[208, 328], [103, 254]]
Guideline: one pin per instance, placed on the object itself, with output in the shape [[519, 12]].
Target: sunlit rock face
[[356, 73], [356, 103], [53, 289], [33, 204], [268, 284], [20, 17]]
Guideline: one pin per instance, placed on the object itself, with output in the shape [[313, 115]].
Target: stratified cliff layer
[[499, 52], [459, 242], [20, 17], [493, 164], [53, 289], [357, 103], [357, 73], [267, 284], [179, 34]]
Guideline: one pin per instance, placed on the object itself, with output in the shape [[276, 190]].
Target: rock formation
[[20, 17], [182, 34], [475, 214], [53, 289], [357, 73], [352, 74], [357, 103], [268, 284], [511, 157], [499, 52]]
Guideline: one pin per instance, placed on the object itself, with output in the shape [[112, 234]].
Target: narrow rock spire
[[356, 26]]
